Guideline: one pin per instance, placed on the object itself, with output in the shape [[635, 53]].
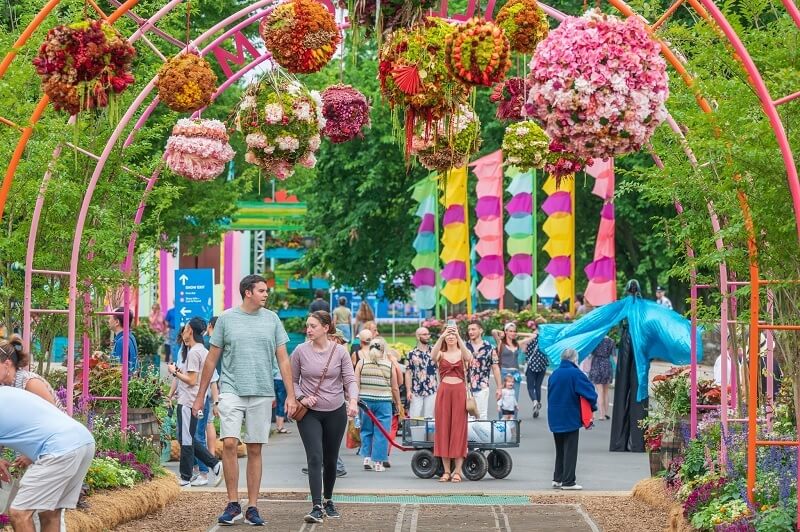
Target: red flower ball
[[346, 112]]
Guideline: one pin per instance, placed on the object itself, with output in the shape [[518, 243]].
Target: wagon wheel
[[499, 463], [424, 464], [475, 465]]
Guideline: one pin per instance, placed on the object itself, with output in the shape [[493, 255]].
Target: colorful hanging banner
[[561, 234], [455, 236], [489, 227], [519, 229], [425, 263], [602, 271]]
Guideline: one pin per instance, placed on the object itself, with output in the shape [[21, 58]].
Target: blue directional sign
[[194, 294]]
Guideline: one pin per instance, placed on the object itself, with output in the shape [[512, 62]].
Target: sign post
[[194, 295]]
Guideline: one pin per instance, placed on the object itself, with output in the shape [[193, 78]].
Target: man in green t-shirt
[[250, 339]]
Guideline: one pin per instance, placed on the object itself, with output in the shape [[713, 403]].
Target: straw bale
[[653, 492]]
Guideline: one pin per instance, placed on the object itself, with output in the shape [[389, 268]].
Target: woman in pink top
[[321, 371]]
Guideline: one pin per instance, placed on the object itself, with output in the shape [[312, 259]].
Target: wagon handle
[[378, 424]]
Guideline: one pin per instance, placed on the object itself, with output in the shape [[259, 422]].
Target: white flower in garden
[[317, 97], [583, 86], [256, 140], [302, 110], [248, 102], [273, 113]]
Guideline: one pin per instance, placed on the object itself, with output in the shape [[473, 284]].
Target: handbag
[[302, 410], [8, 490], [472, 404]]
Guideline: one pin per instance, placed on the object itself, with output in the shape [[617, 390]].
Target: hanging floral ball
[[524, 24], [198, 149], [301, 35], [186, 83], [412, 70], [560, 163], [281, 120], [509, 95], [450, 143], [346, 112], [598, 84], [83, 64], [477, 53], [526, 145]]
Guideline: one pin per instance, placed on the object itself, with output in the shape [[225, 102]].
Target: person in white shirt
[[507, 405], [661, 299]]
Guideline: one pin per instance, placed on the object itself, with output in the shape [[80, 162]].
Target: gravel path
[[197, 511]]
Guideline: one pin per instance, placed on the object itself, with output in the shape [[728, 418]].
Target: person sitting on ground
[[60, 451], [321, 372], [565, 387]]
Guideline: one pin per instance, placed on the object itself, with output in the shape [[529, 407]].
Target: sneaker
[[536, 407], [378, 467], [387, 464], [232, 513], [330, 510], [556, 484], [251, 517], [218, 476], [574, 487], [183, 482], [200, 481], [194, 477], [341, 473], [368, 464], [316, 515]]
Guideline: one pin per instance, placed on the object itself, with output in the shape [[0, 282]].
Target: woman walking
[[361, 349], [450, 437], [187, 380], [509, 346], [321, 372], [378, 387], [600, 374], [535, 369], [343, 319], [363, 315]]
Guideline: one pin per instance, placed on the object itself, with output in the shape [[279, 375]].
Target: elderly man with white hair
[[565, 388]]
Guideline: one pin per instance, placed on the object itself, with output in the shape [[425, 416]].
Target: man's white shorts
[[256, 412], [54, 482]]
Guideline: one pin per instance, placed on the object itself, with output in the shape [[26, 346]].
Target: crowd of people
[[246, 371]]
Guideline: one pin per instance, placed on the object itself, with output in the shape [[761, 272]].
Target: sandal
[[445, 477], [456, 478], [284, 430]]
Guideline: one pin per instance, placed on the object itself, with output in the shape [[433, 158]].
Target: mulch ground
[[197, 511]]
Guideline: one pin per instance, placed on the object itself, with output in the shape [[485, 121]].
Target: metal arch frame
[[769, 106]]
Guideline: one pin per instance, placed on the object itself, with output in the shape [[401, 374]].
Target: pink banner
[[602, 271], [453, 215], [454, 270], [559, 267], [521, 264], [489, 227], [520, 204]]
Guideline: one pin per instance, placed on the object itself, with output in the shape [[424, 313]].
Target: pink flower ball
[[198, 149], [346, 111], [598, 85]]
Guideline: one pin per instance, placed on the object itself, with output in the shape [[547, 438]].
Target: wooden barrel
[[655, 463], [145, 421]]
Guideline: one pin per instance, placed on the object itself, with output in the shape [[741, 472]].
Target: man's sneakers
[[218, 476], [556, 485], [251, 517], [368, 464], [232, 513], [574, 487], [184, 483], [330, 510], [316, 515]]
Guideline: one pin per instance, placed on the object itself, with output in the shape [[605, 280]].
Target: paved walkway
[[598, 469], [414, 517]]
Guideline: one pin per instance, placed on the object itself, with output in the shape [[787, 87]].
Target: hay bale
[[112, 508], [653, 492], [678, 523]]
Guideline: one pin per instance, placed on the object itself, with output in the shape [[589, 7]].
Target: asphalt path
[[597, 470]]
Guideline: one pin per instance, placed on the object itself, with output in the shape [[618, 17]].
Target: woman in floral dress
[[601, 375]]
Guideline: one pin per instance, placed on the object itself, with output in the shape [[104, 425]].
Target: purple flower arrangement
[[701, 495], [129, 460], [742, 525]]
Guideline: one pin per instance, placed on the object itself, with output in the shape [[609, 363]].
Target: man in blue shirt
[[115, 324], [60, 448]]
